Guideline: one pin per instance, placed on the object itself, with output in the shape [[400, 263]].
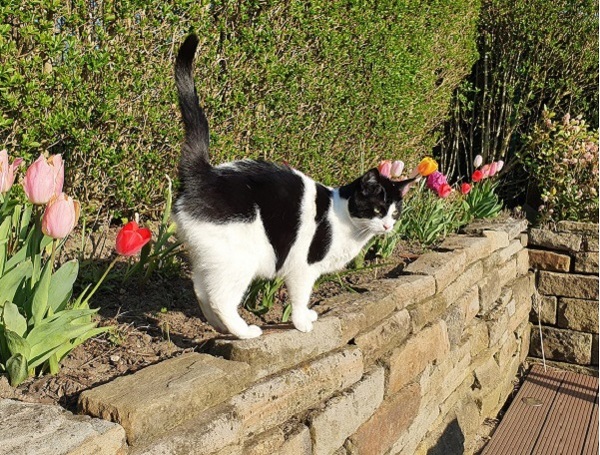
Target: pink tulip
[[493, 168], [385, 168], [478, 160], [7, 171], [44, 179], [397, 168], [486, 171], [499, 165], [60, 216], [435, 181]]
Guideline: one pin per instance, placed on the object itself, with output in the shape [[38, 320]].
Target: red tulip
[[477, 176], [131, 238], [465, 188], [444, 190], [60, 216]]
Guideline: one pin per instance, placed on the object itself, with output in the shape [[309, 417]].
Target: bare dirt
[[159, 318]]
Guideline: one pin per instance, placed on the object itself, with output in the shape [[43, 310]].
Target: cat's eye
[[378, 211]]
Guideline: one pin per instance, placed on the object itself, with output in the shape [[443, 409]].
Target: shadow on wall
[[452, 441]]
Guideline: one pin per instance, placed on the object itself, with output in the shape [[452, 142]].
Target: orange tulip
[[427, 166]]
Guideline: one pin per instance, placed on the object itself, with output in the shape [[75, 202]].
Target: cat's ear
[[404, 185], [369, 183]]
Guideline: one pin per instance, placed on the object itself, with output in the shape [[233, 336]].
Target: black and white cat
[[252, 219]]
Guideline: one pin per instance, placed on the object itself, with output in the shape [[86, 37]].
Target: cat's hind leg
[[204, 302], [300, 286], [224, 300]]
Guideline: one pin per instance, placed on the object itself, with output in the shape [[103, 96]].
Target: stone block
[[523, 289], [490, 288], [359, 312], [523, 262], [408, 441], [498, 239], [568, 285], [561, 241], [218, 431], [577, 227], [423, 313], [544, 310], [281, 350], [389, 421], [590, 243], [562, 345], [384, 336], [408, 361], [549, 260], [454, 318], [469, 302], [266, 443], [297, 442], [274, 400], [578, 314], [344, 414], [525, 341], [524, 237], [443, 267], [507, 271], [465, 281], [512, 227], [41, 429], [511, 250], [144, 401], [586, 263], [486, 374], [475, 248], [478, 337]]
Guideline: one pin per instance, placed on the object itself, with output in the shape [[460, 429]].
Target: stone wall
[[413, 366], [566, 263]]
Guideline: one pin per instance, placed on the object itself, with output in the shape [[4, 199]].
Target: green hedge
[[329, 87]]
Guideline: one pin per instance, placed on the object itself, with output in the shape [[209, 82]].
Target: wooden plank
[[568, 421], [591, 443], [554, 412], [517, 432]]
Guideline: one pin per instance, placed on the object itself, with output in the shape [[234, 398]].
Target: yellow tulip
[[427, 166]]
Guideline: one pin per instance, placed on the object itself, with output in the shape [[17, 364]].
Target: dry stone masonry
[[413, 366], [566, 264]]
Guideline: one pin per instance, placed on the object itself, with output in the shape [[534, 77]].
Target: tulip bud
[[7, 171], [499, 165], [493, 168], [131, 238], [60, 217], [427, 166], [465, 188], [385, 168], [397, 168], [478, 160], [44, 179]]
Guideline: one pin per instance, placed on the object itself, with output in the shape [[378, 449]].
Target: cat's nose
[[387, 226]]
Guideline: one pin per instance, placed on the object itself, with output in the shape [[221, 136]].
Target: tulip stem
[[102, 278]]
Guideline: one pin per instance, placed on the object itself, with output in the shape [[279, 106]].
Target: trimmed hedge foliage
[[329, 87]]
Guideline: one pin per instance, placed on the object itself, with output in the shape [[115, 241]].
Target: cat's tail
[[195, 146]]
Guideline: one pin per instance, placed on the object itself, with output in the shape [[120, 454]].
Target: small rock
[[115, 358]]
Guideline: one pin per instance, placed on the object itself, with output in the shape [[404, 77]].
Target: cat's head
[[375, 203]]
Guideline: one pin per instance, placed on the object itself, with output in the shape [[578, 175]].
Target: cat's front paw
[[253, 331], [313, 315], [303, 323]]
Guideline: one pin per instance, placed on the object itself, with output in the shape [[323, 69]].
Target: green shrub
[[329, 87], [562, 157], [533, 53]]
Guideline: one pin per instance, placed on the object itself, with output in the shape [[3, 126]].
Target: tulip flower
[[60, 217], [485, 171], [131, 238], [465, 188], [397, 168], [44, 179], [427, 166], [444, 190], [499, 165], [435, 180], [7, 171], [385, 168], [477, 176], [478, 161], [493, 168]]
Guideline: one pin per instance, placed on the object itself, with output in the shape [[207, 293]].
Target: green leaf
[[4, 230], [55, 324], [13, 319], [12, 280], [39, 305], [61, 285], [17, 344], [17, 369]]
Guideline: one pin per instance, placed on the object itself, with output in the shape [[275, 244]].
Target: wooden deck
[[554, 412]]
